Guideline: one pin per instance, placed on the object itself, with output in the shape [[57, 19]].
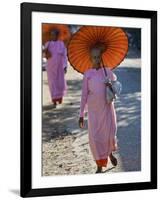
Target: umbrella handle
[[106, 74], [103, 67]]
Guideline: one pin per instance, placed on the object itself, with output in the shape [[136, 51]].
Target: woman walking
[[89, 49], [102, 125], [56, 67]]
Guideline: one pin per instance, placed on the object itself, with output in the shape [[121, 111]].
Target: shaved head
[[95, 56]]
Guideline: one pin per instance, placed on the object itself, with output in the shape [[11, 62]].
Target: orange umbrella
[[64, 32], [112, 40]]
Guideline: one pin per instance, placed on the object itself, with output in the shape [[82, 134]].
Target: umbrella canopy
[[64, 32], [113, 42]]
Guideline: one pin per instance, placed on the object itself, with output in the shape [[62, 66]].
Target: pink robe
[[102, 125], [55, 68]]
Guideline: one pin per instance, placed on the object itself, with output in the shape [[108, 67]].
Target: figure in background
[[56, 67]]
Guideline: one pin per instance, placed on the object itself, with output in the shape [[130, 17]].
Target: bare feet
[[99, 170], [113, 159]]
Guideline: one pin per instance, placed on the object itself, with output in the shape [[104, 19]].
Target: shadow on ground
[[63, 120], [128, 108]]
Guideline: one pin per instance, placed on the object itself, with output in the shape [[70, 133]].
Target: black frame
[[26, 104]]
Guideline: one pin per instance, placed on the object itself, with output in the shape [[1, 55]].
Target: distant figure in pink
[[102, 125], [56, 67]]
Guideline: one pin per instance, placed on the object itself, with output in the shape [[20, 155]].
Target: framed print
[[88, 99]]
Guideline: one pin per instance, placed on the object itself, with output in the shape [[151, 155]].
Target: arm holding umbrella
[[65, 58], [63, 53]]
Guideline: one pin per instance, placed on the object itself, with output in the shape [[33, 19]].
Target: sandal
[[113, 160]]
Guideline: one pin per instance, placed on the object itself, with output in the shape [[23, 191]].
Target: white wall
[[10, 101]]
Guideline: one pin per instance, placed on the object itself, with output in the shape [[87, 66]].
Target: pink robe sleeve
[[83, 103], [65, 57], [63, 52]]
